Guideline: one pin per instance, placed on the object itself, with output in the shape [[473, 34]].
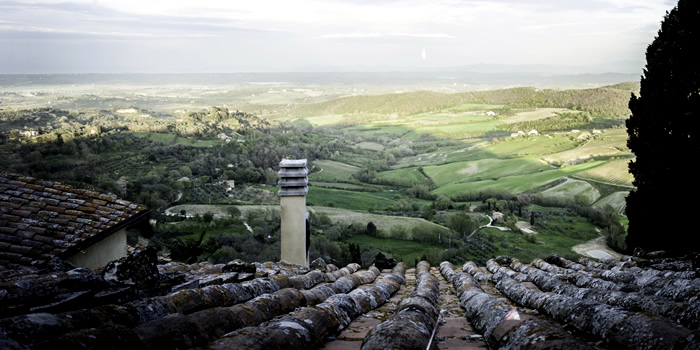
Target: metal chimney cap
[[293, 163], [293, 191], [293, 172]]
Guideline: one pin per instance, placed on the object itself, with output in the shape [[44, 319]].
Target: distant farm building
[[497, 217], [224, 137], [229, 185], [29, 133]]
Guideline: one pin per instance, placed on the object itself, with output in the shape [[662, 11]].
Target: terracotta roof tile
[[10, 218], [41, 219], [33, 244], [30, 208], [41, 238], [21, 213], [10, 239], [24, 250], [51, 201], [24, 234], [512, 305], [20, 225], [37, 204], [35, 187], [8, 230], [9, 256]]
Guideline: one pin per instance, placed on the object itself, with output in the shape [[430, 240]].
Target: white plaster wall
[[102, 252], [293, 230]]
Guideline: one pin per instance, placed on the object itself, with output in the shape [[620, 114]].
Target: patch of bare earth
[[592, 247]]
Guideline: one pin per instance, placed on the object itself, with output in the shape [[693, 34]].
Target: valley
[[410, 160]]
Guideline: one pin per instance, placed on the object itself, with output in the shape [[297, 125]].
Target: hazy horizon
[[212, 36]]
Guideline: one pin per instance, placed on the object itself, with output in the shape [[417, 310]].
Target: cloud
[[381, 32], [47, 32], [357, 35]]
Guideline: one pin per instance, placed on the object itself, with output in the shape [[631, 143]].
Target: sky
[[208, 36]]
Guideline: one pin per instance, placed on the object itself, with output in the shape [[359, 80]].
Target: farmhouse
[[497, 217], [229, 185], [29, 133], [42, 220], [224, 137]]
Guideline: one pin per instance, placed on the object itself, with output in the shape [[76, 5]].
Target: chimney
[[295, 233]]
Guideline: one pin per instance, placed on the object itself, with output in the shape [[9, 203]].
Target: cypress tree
[[663, 134]]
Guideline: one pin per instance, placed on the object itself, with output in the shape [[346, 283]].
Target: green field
[[485, 169], [467, 150], [352, 200], [373, 129], [383, 222], [370, 146], [540, 113], [531, 146], [324, 120], [332, 171], [610, 144], [472, 107], [555, 235], [461, 129], [447, 118], [406, 251], [571, 188], [343, 186], [403, 177], [339, 216], [615, 200], [516, 183], [613, 172]]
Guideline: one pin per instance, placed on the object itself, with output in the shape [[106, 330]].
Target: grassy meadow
[[401, 250], [332, 171]]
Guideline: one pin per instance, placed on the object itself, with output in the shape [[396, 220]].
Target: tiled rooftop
[[547, 304], [42, 219]]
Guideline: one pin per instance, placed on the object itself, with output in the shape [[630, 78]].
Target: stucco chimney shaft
[[293, 184]]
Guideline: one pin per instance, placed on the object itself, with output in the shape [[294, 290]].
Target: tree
[[664, 129], [371, 229], [443, 203], [461, 223], [427, 212], [233, 211]]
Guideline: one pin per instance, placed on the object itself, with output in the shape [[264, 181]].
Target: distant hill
[[629, 86], [611, 101]]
